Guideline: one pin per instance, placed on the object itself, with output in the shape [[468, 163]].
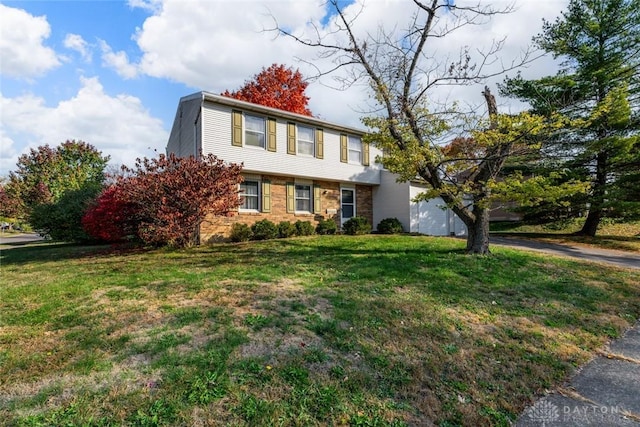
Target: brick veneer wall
[[364, 203], [218, 228]]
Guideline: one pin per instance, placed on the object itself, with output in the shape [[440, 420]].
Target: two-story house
[[296, 168]]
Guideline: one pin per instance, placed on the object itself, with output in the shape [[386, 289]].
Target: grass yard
[[334, 330]]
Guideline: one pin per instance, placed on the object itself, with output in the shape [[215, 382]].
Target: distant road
[[607, 256], [10, 240]]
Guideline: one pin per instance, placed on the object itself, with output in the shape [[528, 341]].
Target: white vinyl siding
[[186, 134], [391, 199], [216, 130]]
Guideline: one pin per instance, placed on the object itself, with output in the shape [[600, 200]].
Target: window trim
[[258, 195], [311, 142], [296, 198], [360, 151], [353, 189], [344, 150], [264, 132]]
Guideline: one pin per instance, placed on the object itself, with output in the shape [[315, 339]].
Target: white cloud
[[8, 154], [119, 125], [149, 5], [77, 43], [211, 46], [21, 37], [118, 61]]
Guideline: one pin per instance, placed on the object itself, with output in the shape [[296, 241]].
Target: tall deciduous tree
[[164, 200], [277, 87], [9, 204], [46, 173], [404, 67], [598, 89], [70, 174]]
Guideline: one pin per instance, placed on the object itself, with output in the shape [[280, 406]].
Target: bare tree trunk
[[590, 226], [478, 232]]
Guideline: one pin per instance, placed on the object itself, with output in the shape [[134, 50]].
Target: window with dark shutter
[[291, 138], [271, 134], [266, 196], [344, 150], [236, 128], [319, 144]]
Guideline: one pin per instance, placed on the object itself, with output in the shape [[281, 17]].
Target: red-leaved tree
[[164, 200], [110, 218], [277, 87]]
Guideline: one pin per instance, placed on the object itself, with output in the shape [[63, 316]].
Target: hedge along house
[[295, 167]]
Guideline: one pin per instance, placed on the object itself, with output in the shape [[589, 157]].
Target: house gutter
[[298, 118]]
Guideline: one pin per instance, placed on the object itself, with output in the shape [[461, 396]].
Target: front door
[[347, 204]]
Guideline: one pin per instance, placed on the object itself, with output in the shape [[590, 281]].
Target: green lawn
[[335, 330]]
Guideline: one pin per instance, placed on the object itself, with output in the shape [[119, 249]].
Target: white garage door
[[432, 219], [436, 221]]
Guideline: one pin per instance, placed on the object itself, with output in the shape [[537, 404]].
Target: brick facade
[[364, 203], [218, 228]]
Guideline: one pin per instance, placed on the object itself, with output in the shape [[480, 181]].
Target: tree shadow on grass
[[509, 281], [27, 252]]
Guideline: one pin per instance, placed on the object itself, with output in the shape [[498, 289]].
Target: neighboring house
[[503, 212], [295, 167]]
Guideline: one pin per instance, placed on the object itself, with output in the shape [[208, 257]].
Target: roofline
[[248, 106]]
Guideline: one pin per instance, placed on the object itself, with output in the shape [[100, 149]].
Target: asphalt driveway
[[607, 256]]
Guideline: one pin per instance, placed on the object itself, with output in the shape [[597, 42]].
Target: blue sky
[[111, 21], [111, 73]]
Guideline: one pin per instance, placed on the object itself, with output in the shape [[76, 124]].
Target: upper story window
[[355, 150], [254, 131], [306, 140], [249, 190]]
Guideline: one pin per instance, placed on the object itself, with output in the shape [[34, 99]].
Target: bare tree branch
[[403, 67]]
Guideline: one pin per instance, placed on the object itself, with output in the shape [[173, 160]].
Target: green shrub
[[286, 229], [264, 230], [357, 225], [304, 228], [390, 226], [62, 219], [240, 232], [326, 226]]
